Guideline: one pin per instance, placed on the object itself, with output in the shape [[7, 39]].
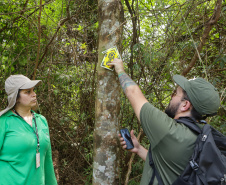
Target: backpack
[[207, 165]]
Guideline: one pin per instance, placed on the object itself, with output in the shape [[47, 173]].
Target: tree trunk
[[107, 105]]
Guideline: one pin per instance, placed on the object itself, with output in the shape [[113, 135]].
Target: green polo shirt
[[172, 145], [18, 143]]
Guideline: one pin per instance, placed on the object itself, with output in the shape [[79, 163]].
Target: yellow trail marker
[[109, 56]]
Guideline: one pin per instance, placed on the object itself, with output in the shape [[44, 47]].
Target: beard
[[171, 110]]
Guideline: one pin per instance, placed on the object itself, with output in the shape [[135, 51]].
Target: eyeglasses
[[174, 93]]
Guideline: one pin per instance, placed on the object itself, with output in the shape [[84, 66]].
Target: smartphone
[[127, 138]]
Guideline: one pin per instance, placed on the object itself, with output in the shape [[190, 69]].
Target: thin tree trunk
[[131, 161], [135, 36], [39, 39], [213, 20], [107, 105]]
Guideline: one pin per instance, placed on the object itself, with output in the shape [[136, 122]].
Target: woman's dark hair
[[18, 94], [194, 112]]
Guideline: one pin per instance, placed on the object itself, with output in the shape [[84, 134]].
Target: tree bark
[[107, 104]]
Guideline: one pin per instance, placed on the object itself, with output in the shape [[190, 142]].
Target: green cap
[[203, 95]]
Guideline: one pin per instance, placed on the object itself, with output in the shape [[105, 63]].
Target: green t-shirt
[[18, 144], [172, 145]]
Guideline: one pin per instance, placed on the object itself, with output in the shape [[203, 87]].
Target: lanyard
[[35, 131]]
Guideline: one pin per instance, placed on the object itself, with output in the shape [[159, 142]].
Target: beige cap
[[12, 86]]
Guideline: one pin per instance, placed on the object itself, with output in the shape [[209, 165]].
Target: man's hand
[[138, 149], [135, 142], [118, 64]]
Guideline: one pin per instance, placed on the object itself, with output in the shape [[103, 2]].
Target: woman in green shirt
[[25, 148]]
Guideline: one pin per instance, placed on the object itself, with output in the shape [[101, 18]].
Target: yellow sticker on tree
[[109, 56]]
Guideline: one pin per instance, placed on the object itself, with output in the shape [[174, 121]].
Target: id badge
[[37, 160]]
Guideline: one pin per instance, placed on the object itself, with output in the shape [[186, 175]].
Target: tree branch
[[21, 15], [24, 10], [131, 160], [213, 20], [50, 42], [39, 38], [135, 36]]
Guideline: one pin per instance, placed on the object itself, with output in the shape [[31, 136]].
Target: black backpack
[[207, 165]]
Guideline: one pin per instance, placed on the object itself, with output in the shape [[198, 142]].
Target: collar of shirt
[[10, 113]]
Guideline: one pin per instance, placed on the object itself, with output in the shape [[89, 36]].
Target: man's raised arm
[[130, 88]]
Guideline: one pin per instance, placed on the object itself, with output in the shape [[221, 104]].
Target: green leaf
[[224, 8], [80, 28], [222, 64]]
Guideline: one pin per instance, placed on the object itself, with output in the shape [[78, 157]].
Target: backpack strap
[[155, 172], [190, 123], [187, 121]]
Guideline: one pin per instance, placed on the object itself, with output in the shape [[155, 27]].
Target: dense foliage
[[57, 42]]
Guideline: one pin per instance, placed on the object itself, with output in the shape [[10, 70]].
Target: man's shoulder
[[151, 113]]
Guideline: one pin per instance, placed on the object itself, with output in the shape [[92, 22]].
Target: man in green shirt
[[172, 143]]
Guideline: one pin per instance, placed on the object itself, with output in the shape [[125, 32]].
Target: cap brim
[[30, 84], [180, 80]]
